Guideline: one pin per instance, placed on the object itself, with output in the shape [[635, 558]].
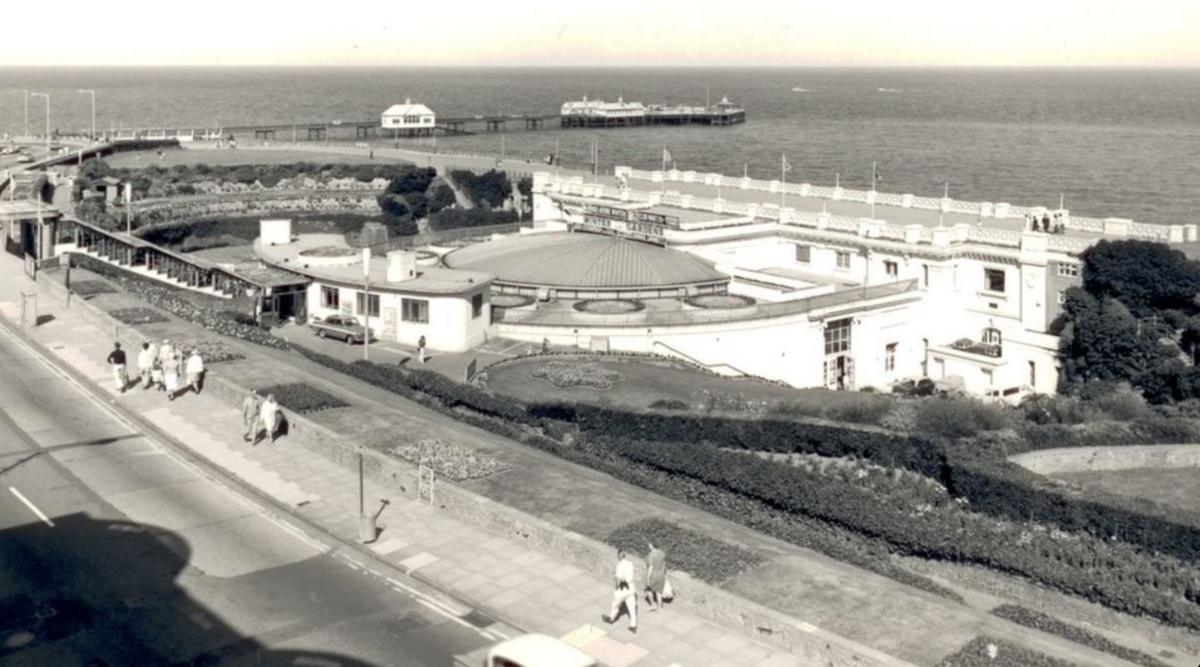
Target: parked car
[[24, 158], [343, 327], [529, 651]]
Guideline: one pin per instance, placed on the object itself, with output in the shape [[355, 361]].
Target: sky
[[788, 33]]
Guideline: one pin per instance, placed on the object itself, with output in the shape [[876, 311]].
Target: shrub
[[491, 188], [979, 651], [457, 218], [1048, 624], [302, 397], [450, 460], [704, 557], [137, 315], [211, 351], [955, 417]]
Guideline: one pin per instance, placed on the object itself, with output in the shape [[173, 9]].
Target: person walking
[[116, 359], [250, 419], [195, 370], [421, 349], [269, 415], [623, 593], [145, 362], [656, 576], [171, 375]]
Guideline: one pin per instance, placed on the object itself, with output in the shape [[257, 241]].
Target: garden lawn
[[645, 380], [1178, 488]]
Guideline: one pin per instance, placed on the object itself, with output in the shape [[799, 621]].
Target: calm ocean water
[[1122, 143]]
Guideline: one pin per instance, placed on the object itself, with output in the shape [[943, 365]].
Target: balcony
[[977, 347]]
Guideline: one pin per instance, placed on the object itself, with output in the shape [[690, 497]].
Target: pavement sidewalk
[[527, 588]]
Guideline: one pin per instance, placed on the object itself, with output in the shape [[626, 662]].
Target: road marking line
[[33, 508]]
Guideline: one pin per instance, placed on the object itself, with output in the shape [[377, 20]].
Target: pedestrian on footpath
[[171, 375], [250, 418], [145, 362], [269, 412], [116, 359], [656, 576], [195, 370], [623, 593], [166, 351], [421, 349]]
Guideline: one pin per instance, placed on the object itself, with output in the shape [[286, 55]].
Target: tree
[[492, 187], [94, 169], [441, 196], [1144, 275]]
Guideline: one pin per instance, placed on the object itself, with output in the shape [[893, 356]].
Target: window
[[889, 357], [987, 376], [1062, 297], [993, 280], [373, 303], [891, 268], [924, 275], [843, 259], [1068, 270], [992, 336], [329, 297], [837, 336], [476, 305], [414, 310], [803, 253]]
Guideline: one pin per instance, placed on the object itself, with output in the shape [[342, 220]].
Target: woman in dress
[[656, 576], [171, 375]]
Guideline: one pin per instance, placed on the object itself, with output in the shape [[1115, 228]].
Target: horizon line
[[609, 66]]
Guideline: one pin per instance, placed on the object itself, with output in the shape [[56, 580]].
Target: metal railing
[[760, 311]]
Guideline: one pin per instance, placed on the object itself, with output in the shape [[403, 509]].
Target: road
[[114, 550]]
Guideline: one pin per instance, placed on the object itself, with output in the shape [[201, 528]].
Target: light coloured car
[[537, 651]]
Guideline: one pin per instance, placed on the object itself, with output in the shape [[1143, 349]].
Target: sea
[[1109, 142]]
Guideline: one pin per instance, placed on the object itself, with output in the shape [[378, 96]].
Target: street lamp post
[[26, 93], [93, 94], [47, 96]]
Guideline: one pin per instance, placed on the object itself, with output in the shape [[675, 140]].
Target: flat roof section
[[429, 280]]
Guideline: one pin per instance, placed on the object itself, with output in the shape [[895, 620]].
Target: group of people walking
[[260, 416], [165, 368], [657, 588], [1045, 225]]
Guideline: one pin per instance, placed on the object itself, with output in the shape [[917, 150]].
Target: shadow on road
[[98, 593]]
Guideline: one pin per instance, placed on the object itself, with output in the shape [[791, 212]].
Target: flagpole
[[873, 172], [783, 182]]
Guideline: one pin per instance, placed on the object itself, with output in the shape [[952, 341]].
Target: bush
[[301, 397], [490, 188], [1050, 625], [441, 196], [137, 315], [979, 651], [704, 557], [955, 417], [450, 460], [458, 218]]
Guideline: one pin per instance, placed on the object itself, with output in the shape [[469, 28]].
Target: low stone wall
[[1092, 459], [806, 641]]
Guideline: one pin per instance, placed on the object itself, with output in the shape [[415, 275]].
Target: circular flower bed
[[575, 374], [511, 300], [450, 460], [329, 255], [719, 301], [609, 306]]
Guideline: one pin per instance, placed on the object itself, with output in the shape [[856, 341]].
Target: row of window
[[411, 310]]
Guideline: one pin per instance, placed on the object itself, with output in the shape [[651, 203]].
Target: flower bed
[[609, 306], [719, 301], [91, 287], [450, 460], [698, 554], [1048, 624], [303, 398], [511, 300], [988, 652], [575, 374], [137, 315], [211, 351]]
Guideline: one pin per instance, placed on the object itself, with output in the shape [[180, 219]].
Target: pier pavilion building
[[409, 119], [822, 286]]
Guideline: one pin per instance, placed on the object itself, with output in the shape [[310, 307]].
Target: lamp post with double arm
[[93, 94]]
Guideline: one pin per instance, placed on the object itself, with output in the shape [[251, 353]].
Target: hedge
[[1048, 624]]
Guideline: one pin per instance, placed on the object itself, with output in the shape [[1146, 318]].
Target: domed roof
[[565, 259]]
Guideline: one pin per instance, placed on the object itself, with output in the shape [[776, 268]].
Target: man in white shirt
[[194, 369], [623, 593], [145, 361]]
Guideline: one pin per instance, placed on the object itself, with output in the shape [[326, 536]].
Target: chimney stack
[[401, 265], [275, 231]]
